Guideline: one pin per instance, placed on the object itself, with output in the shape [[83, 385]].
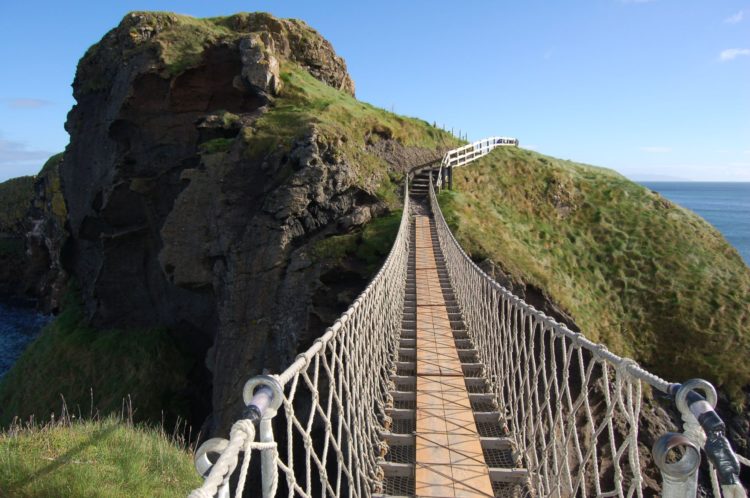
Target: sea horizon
[[725, 205]]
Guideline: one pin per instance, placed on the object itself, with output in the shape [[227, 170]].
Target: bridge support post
[[263, 396], [680, 479], [450, 178]]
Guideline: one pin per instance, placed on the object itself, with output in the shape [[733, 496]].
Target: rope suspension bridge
[[438, 381]]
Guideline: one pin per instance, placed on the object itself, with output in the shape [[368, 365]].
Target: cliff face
[[15, 196], [207, 158]]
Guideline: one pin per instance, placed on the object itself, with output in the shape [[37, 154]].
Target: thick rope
[[241, 436]]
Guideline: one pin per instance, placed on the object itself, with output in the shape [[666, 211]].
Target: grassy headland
[[646, 277]]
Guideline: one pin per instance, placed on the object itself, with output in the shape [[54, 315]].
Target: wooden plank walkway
[[449, 457]]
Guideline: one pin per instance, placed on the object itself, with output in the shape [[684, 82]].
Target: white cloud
[[735, 18], [733, 53], [656, 149], [708, 172], [27, 103], [18, 153]]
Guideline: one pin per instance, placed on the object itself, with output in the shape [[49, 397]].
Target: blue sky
[[653, 89]]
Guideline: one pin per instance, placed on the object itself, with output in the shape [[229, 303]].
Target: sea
[[726, 205], [20, 323]]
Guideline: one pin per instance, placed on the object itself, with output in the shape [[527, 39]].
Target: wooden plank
[[449, 456]]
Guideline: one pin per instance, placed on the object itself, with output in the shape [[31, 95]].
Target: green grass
[[369, 245], [647, 278], [342, 124], [15, 201], [93, 458], [72, 360], [52, 164], [216, 145]]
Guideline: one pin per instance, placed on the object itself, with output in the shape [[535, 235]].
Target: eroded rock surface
[[173, 223]]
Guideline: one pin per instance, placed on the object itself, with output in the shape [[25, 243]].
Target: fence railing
[[331, 403], [572, 407], [471, 152]]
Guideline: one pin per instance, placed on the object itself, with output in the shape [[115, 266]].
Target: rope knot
[[243, 426], [624, 365], [600, 350], [577, 339], [303, 356]]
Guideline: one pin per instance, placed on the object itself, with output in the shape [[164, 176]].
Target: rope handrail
[[560, 328], [331, 400]]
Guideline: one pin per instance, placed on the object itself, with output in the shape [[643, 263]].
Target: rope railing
[[331, 402], [572, 407]]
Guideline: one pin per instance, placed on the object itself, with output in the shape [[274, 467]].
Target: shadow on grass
[[65, 458]]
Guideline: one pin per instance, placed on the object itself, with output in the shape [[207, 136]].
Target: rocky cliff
[[208, 161], [15, 195]]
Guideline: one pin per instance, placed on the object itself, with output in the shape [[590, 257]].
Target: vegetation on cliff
[[646, 277], [93, 458], [306, 105], [96, 372], [15, 198]]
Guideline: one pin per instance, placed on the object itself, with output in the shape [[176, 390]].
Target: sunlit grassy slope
[[644, 276], [349, 125], [93, 458]]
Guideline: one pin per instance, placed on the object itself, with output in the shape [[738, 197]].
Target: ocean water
[[725, 205], [19, 325]]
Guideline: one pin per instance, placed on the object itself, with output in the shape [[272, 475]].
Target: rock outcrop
[[15, 196], [47, 233], [194, 194]]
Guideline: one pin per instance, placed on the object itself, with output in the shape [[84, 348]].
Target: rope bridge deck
[[438, 381]]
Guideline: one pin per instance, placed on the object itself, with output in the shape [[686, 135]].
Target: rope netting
[[333, 398], [572, 407]]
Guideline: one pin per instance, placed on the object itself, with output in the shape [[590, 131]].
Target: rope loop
[[624, 366], [243, 426]]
